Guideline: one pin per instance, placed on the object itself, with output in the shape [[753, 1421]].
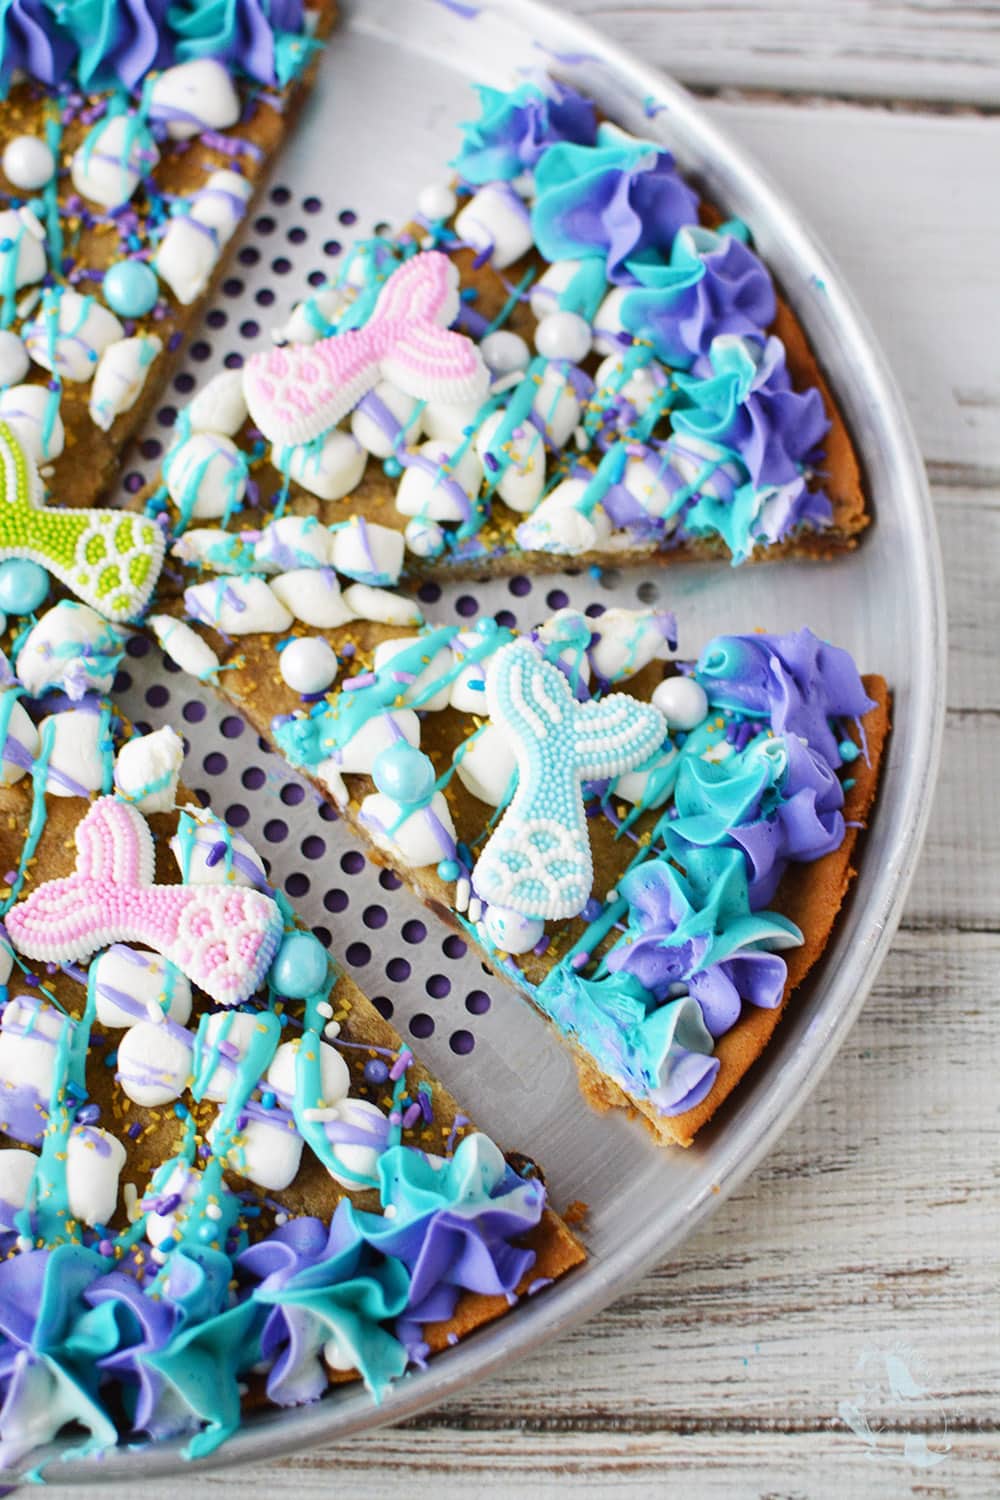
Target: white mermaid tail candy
[[223, 938], [538, 862]]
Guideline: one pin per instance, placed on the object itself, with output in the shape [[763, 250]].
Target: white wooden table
[[835, 1330]]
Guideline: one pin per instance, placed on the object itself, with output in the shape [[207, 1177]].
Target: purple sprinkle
[[217, 852], [364, 680], [401, 1064], [134, 1130], [412, 1115], [579, 961]]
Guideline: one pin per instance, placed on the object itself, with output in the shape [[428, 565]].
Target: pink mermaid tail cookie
[[296, 393], [222, 937]]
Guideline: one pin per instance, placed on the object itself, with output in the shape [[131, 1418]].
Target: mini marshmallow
[[313, 318], [155, 1062], [21, 736], [206, 476], [28, 412], [521, 460], [239, 606], [22, 261], [190, 249], [210, 853], [640, 387], [313, 596], [293, 542], [608, 322], [308, 665], [428, 486], [381, 606], [185, 647], [703, 467], [77, 760], [117, 153], [367, 552], [423, 836], [448, 421], [148, 768], [574, 629], [384, 415], [437, 666], [6, 962], [467, 692], [71, 343], [648, 480], [510, 932], [219, 406], [334, 1074], [29, 1031], [330, 469], [557, 406], [267, 1149], [214, 551], [94, 1160], [71, 647], [546, 292], [180, 1186], [194, 97], [628, 640], [436, 201], [16, 1171], [424, 538], [14, 359], [130, 985], [650, 783], [231, 1032], [558, 526], [682, 701], [362, 749], [358, 1159], [487, 764], [120, 377], [495, 221]]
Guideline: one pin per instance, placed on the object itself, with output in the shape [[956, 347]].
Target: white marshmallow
[[219, 406], [682, 701], [148, 768], [194, 97], [198, 858], [308, 665], [94, 1160], [627, 640], [504, 352], [638, 389], [206, 476], [23, 263], [313, 318], [6, 962], [558, 526], [70, 647], [116, 155], [547, 290], [21, 729], [645, 480], [417, 840], [359, 1160], [467, 692], [522, 459], [190, 249], [571, 627], [334, 1075], [214, 551], [266, 1151], [374, 736], [185, 647], [371, 434], [557, 406], [233, 1030], [647, 783], [180, 1181], [381, 606], [704, 465], [14, 359], [77, 759], [29, 1031], [415, 693], [497, 220], [16, 1171], [154, 1062], [427, 490], [423, 538], [563, 335], [436, 201], [448, 421], [293, 542], [487, 764], [367, 552], [608, 322], [32, 414], [238, 606], [330, 469], [71, 343], [131, 984], [509, 932], [121, 374], [313, 596], [28, 163]]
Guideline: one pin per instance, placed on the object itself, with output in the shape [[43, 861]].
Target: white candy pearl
[[424, 538], [682, 702], [14, 359], [28, 162], [308, 665], [510, 932], [504, 351], [436, 201], [563, 335]]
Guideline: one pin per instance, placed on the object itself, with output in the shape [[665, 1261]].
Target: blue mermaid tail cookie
[[538, 862]]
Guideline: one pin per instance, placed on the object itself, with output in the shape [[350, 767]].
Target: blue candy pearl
[[131, 288], [299, 969], [24, 585], [404, 773], [376, 1071]]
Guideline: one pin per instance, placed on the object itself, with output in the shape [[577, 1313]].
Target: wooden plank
[[867, 48]]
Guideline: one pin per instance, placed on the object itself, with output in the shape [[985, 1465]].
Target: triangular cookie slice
[[227, 1168]]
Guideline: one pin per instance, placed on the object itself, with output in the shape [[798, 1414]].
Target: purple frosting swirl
[[31, 41], [241, 32], [119, 40], [713, 284], [515, 127], [622, 201]]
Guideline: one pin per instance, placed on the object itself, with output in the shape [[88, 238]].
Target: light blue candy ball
[[300, 966], [404, 773], [131, 288], [24, 585]]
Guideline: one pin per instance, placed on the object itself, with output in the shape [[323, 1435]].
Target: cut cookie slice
[[656, 868], [226, 1165], [566, 357], [133, 139]]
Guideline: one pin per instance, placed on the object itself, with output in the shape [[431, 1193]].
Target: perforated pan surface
[[381, 124]]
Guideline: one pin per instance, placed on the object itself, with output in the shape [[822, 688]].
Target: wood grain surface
[[769, 1357]]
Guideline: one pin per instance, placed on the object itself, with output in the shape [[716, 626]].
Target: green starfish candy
[[107, 558]]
